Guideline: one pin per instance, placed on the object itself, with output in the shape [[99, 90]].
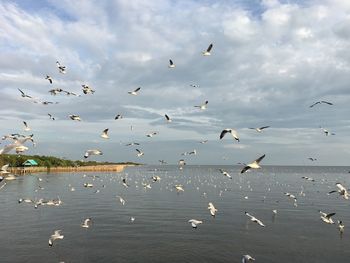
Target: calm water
[[161, 233]]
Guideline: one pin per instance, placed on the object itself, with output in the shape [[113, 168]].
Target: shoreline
[[93, 168]]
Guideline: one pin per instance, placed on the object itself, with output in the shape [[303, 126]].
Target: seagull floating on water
[[86, 223], [253, 165]]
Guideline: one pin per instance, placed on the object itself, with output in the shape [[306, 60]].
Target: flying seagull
[[139, 153], [104, 134], [253, 165], [260, 129], [224, 173], [151, 134], [341, 190], [124, 183], [194, 85], [121, 199], [254, 219], [92, 152], [204, 141], [327, 218], [341, 226], [326, 132], [212, 209], [312, 159], [74, 117], [321, 102], [195, 222], [179, 188], [207, 52], [86, 223], [135, 92], [232, 131], [56, 235], [203, 106], [49, 78], [26, 127], [171, 64], [87, 89], [119, 116], [61, 69], [167, 118], [24, 95], [247, 258], [132, 143], [51, 118]]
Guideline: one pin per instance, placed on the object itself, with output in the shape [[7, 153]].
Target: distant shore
[[92, 168]]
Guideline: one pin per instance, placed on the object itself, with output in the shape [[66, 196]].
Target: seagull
[[207, 52], [260, 129], [247, 258], [291, 196], [17, 145], [75, 117], [182, 162], [179, 188], [326, 132], [225, 173], [151, 134], [132, 143], [88, 185], [24, 95], [195, 222], [56, 235], [308, 178], [320, 102], [341, 190], [232, 131], [204, 141], [155, 178], [49, 78], [146, 186], [119, 116], [87, 89], [92, 152], [253, 165], [135, 92], [162, 162], [171, 64], [3, 169], [312, 159], [86, 223], [341, 226], [104, 134], [61, 69], [139, 153], [274, 212], [167, 118], [194, 86], [132, 219], [51, 118], [26, 127], [203, 106], [254, 219], [327, 218], [124, 183], [212, 209], [121, 200]]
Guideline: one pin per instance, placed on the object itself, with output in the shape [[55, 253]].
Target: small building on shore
[[30, 162]]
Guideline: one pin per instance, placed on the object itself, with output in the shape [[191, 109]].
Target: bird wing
[[264, 127], [340, 187], [167, 117], [246, 168], [136, 90], [21, 92], [330, 215], [329, 103], [105, 131], [171, 62], [138, 150], [222, 134], [260, 158], [4, 168], [210, 47], [314, 104]]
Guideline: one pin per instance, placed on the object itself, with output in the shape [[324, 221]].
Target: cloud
[[270, 61]]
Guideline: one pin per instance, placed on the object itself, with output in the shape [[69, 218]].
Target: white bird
[[3, 169], [327, 218], [26, 126], [104, 134], [291, 196], [326, 132], [341, 226], [203, 106], [274, 211], [204, 141], [253, 165], [341, 190], [156, 178], [49, 78], [195, 222], [254, 219], [25, 95], [207, 52], [75, 117], [121, 200], [132, 219], [224, 173], [92, 152], [132, 144], [167, 118], [146, 186], [212, 209], [86, 223], [233, 133], [87, 89], [119, 116], [88, 185], [61, 69], [135, 92], [171, 64], [150, 135], [260, 129], [247, 258], [139, 153], [17, 145], [179, 188], [56, 235], [182, 162], [125, 183]]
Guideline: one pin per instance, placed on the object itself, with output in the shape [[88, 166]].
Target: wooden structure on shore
[[40, 169]]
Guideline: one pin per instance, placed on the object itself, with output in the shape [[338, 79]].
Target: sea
[[160, 231]]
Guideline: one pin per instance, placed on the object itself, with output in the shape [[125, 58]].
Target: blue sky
[[271, 60]]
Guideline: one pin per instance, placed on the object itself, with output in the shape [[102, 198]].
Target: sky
[[270, 61]]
